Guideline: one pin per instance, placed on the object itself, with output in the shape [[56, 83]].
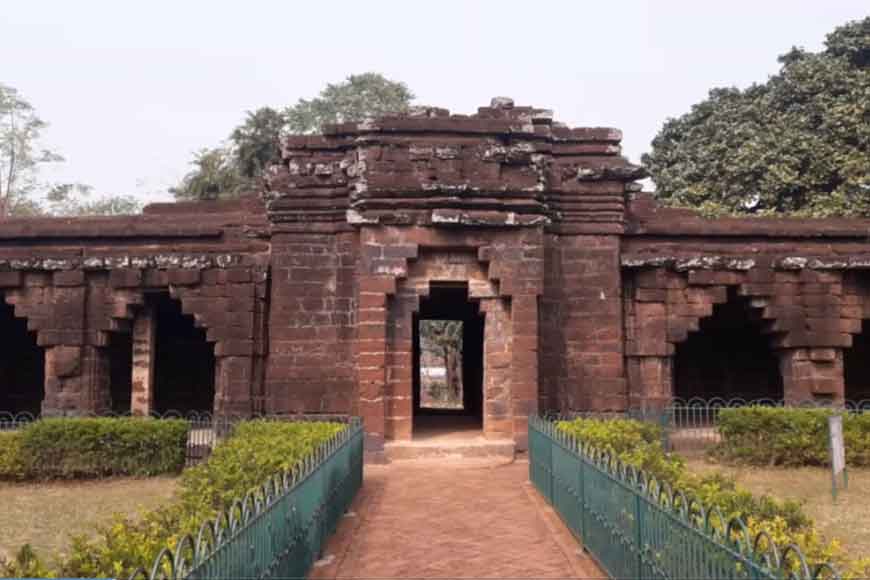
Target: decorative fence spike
[[240, 542], [638, 527]]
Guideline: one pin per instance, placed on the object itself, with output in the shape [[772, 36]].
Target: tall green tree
[[256, 142], [20, 155], [254, 145], [797, 144], [359, 97], [76, 200], [21, 191], [215, 176]]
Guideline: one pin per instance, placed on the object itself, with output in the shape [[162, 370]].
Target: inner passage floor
[[451, 519]]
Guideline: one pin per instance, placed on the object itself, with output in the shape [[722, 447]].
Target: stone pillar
[[372, 357], [650, 380], [76, 380], [232, 389], [497, 345], [399, 394], [812, 374], [144, 332], [649, 355], [524, 365]]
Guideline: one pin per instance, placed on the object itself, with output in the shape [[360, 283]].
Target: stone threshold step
[[478, 447]]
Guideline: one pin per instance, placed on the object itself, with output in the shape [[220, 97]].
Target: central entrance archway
[[448, 363]]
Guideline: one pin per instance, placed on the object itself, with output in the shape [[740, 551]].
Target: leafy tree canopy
[[215, 176], [359, 97], [227, 171], [76, 199], [798, 143], [21, 192]]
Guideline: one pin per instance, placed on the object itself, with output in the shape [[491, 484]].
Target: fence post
[[551, 466], [582, 494], [638, 535], [665, 423]]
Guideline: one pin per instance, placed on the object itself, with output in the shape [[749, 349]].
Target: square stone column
[[232, 389], [372, 349], [144, 332], [812, 374], [497, 358], [76, 380]]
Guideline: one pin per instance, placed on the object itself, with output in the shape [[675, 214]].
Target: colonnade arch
[[729, 356], [22, 365]]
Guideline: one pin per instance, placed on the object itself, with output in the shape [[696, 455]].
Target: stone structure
[[306, 297]]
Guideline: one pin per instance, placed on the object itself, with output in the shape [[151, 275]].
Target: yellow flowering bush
[[639, 444]]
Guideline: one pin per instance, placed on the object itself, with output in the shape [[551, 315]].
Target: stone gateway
[[576, 290]]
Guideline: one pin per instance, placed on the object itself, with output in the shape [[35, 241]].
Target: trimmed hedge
[[788, 437], [11, 464], [639, 444], [256, 451], [66, 448]]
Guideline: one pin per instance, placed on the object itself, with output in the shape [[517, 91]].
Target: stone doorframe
[[503, 270]]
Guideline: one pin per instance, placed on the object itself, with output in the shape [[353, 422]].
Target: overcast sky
[[131, 90]]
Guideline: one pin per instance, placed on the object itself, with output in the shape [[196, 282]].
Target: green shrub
[[25, 564], [639, 444], [788, 436], [11, 464], [98, 447], [636, 443], [734, 501], [257, 451]]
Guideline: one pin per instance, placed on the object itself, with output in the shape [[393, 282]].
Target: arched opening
[[22, 365], [184, 362], [448, 362], [120, 352], [728, 357], [856, 366]]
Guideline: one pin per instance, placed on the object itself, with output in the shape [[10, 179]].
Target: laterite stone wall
[[306, 290]]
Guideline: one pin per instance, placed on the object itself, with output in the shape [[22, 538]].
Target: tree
[[253, 146], [256, 142], [798, 143], [74, 200], [360, 97], [20, 157], [443, 339], [21, 193], [215, 176]]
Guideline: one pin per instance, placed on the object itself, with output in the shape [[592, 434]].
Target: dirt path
[[449, 519]]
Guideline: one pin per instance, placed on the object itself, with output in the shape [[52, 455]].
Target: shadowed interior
[[184, 364], [728, 357], [22, 365], [449, 301], [856, 366], [121, 371]]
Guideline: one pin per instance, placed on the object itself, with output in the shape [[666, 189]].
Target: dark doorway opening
[[22, 365], [448, 351], [856, 367], [728, 357], [121, 371], [184, 362]]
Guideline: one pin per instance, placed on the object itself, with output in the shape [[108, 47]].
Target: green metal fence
[[636, 528], [279, 530]]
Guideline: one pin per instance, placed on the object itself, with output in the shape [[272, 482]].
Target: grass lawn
[[848, 519], [45, 514]]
